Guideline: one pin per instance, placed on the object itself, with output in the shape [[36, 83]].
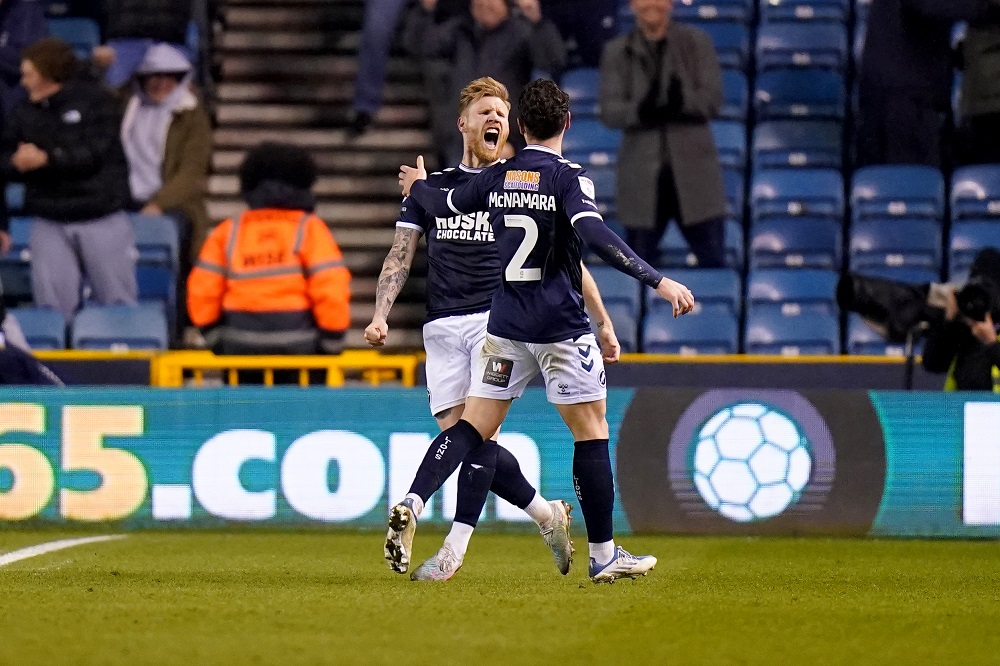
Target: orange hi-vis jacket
[[272, 281]]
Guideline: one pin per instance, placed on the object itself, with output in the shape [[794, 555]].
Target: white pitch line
[[52, 546]]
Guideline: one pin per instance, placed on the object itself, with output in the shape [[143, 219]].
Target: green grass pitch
[[317, 597]]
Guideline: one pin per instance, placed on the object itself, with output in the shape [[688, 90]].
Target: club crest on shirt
[[522, 180]]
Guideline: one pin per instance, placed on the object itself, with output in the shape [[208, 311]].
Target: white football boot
[[623, 565], [556, 535]]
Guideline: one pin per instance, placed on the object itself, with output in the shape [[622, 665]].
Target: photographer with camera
[[965, 345]]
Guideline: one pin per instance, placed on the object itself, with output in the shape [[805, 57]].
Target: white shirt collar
[[468, 169], [544, 149]]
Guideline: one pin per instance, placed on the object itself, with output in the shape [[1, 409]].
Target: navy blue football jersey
[[533, 201], [463, 267]]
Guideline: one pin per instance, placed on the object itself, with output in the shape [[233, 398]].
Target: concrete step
[[341, 92], [382, 187], [303, 115], [332, 16], [338, 214], [267, 67], [396, 139], [312, 41], [345, 161]]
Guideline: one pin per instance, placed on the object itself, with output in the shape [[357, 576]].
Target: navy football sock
[[443, 457], [509, 482], [595, 487], [474, 482]]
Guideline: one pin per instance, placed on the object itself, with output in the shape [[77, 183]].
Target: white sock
[[459, 538], [539, 510], [418, 504], [602, 552]]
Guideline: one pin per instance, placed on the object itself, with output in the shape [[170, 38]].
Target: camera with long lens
[[977, 298]]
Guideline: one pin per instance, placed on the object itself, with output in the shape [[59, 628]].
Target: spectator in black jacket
[[21, 23], [132, 26], [495, 40], [906, 79], [63, 142]]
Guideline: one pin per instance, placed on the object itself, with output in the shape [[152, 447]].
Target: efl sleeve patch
[[587, 187]]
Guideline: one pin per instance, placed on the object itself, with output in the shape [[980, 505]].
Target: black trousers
[[707, 239], [899, 126], [980, 139]]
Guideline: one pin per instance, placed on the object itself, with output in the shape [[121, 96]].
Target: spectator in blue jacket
[[22, 23]]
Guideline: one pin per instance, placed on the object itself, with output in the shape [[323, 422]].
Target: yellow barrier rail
[[176, 369]]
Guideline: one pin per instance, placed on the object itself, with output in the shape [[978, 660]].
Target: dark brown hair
[[543, 108], [53, 58]]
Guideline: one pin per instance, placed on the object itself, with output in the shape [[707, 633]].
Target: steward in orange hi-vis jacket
[[273, 280]]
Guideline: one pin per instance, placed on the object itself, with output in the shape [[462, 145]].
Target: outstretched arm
[[395, 270], [606, 338], [466, 198]]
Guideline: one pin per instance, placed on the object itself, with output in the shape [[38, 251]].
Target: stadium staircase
[[287, 74]]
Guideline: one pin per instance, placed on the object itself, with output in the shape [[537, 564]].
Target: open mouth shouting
[[491, 137]]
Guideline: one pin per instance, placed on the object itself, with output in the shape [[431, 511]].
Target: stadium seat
[[675, 253], [83, 34], [795, 242], [626, 323], [798, 143], [734, 184], [731, 40], [120, 327], [44, 329], [15, 265], [903, 191], [581, 85], [772, 330], [156, 239], [617, 288], [14, 195], [795, 192], [861, 8], [605, 180], [863, 340], [881, 242], [858, 49], [741, 11], [800, 93], [731, 141], [591, 142], [907, 274], [706, 332], [157, 284], [736, 96], [822, 11], [975, 193], [794, 289], [717, 289], [786, 45], [967, 239]]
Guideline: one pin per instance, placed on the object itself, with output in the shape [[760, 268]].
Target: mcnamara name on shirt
[[545, 202], [474, 227]]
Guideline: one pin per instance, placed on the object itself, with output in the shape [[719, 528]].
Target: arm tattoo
[[395, 270]]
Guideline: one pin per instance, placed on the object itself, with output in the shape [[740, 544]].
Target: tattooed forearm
[[395, 270]]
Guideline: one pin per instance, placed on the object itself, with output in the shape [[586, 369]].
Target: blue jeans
[[381, 18]]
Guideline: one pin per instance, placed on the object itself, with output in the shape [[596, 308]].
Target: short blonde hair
[[480, 88]]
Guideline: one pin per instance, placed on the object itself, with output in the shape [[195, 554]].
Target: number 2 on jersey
[[516, 272]]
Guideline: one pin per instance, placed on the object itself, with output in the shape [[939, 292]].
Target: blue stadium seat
[[706, 332], [581, 85], [741, 11], [903, 191], [800, 93], [861, 8], [967, 239], [83, 34], [675, 253], [590, 142], [805, 10], [883, 242], [794, 192], [626, 323], [795, 242], [907, 274], [858, 50], [617, 288], [120, 327], [714, 289], [736, 96], [605, 180], [787, 45], [14, 195], [770, 330], [975, 193], [731, 40], [44, 329], [734, 184], [863, 340], [794, 289], [15, 265], [156, 239], [157, 284], [798, 143], [731, 141]]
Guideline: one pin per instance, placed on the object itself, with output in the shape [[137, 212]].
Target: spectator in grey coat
[[662, 84], [495, 40]]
